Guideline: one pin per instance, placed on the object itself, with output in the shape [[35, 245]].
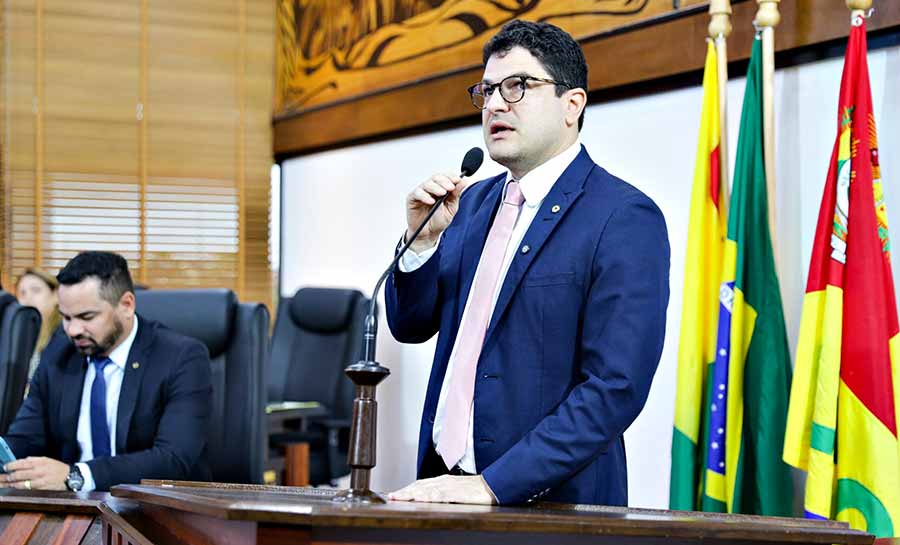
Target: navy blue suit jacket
[[163, 414], [573, 342]]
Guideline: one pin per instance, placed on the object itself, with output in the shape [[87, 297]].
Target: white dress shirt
[[535, 186], [113, 374]]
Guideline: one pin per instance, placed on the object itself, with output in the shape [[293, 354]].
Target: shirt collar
[[119, 355], [536, 184]]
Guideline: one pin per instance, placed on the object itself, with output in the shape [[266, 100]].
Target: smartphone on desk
[[6, 454]]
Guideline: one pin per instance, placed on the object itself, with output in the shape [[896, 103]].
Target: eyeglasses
[[512, 89]]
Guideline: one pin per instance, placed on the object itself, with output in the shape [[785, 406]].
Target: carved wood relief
[[333, 50]]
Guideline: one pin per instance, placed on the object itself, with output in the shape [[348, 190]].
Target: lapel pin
[[555, 208], [135, 365], [525, 249]]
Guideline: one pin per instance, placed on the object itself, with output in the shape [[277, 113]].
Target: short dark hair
[[111, 269], [552, 46]]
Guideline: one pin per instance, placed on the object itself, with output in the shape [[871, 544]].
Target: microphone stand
[[366, 374]]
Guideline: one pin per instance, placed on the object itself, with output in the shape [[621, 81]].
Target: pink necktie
[[460, 391]]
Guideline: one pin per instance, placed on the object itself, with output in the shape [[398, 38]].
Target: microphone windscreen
[[471, 162]]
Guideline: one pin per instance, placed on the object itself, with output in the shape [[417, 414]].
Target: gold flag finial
[[767, 16], [864, 5], [720, 18]]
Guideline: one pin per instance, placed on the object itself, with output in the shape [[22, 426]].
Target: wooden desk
[[61, 518], [166, 513]]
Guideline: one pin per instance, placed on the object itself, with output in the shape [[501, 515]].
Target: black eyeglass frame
[[499, 85]]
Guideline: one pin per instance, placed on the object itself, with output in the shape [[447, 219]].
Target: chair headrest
[[204, 314], [323, 310], [6, 299]]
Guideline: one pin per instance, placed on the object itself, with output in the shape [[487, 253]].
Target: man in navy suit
[[117, 398], [547, 286]]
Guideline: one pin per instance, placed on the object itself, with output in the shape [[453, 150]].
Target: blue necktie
[[99, 428]]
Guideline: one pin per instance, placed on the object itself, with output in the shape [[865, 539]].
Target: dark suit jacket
[[164, 409], [573, 342]]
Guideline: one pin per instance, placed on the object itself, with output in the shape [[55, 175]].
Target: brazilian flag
[[748, 385]]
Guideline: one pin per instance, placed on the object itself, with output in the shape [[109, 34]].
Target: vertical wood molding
[[73, 530], [20, 528], [38, 129], [240, 81], [141, 114]]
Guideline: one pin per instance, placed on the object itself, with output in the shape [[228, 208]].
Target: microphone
[[470, 164], [367, 373]]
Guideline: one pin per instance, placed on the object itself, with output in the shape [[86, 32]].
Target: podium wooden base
[[169, 513]]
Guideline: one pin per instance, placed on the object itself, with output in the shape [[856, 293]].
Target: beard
[[104, 346]]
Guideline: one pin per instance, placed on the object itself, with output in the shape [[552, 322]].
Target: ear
[[576, 100], [126, 303]]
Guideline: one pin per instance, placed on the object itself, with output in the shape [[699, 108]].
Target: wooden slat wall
[[19, 130], [4, 193], [258, 84], [142, 127], [191, 115], [90, 152]]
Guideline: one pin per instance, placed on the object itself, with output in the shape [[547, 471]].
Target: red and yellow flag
[[842, 420]]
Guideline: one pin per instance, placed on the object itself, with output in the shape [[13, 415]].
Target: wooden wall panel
[[658, 48], [334, 50]]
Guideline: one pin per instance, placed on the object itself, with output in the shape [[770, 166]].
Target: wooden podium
[[169, 513]]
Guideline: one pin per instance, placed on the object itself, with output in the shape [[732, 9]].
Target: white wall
[[344, 214]]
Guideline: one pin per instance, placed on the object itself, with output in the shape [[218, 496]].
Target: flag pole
[[767, 18], [719, 30]]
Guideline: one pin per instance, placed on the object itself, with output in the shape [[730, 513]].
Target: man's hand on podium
[[36, 473], [447, 489]]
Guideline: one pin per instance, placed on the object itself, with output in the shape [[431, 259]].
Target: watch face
[[74, 481]]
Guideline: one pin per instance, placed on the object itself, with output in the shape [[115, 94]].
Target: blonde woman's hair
[[48, 325]]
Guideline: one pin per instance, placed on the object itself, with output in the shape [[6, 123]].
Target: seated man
[[116, 399]]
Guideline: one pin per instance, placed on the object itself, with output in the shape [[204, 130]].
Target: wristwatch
[[75, 480]]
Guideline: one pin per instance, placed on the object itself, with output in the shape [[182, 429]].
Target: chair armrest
[[279, 415]]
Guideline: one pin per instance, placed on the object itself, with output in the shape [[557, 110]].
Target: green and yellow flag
[[748, 384], [842, 423], [697, 345]]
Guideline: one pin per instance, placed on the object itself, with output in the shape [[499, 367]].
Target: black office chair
[[318, 332], [19, 330], [236, 335]]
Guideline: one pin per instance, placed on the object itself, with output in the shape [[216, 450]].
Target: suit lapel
[[131, 382], [72, 388], [565, 192], [474, 239]]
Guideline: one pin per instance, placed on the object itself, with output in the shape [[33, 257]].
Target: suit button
[[526, 248]]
